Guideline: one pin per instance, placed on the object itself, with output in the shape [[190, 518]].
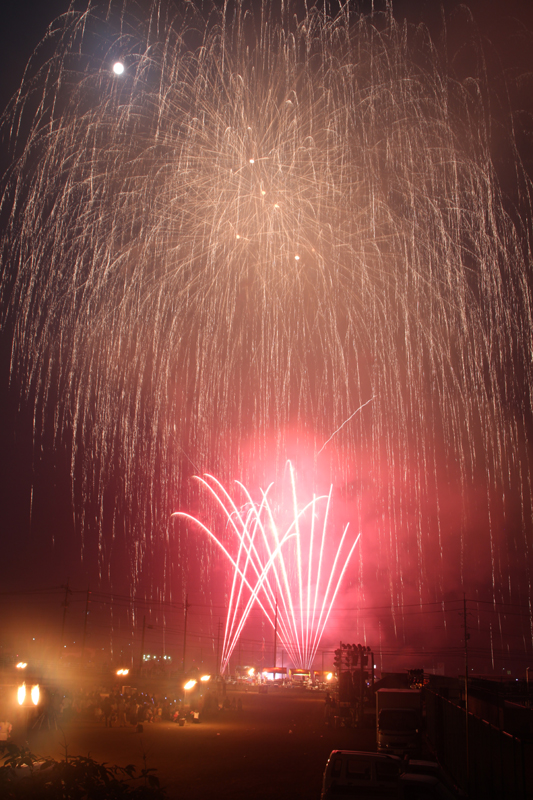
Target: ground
[[277, 747]]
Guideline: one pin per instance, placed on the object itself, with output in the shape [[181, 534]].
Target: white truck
[[398, 720]]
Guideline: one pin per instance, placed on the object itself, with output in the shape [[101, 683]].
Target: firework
[[294, 577], [259, 226]]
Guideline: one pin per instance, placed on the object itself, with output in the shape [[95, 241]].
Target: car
[[420, 767], [440, 785], [357, 773], [382, 776], [415, 786]]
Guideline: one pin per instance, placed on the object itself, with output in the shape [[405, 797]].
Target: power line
[[439, 605]]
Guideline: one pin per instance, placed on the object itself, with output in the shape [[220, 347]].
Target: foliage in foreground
[[24, 775]]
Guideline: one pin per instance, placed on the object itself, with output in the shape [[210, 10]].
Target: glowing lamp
[[118, 68], [189, 685], [35, 693], [329, 676], [21, 665], [205, 678], [251, 671], [21, 694]]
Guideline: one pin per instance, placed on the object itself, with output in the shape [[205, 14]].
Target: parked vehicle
[[398, 720], [380, 776], [414, 786], [354, 773], [427, 779]]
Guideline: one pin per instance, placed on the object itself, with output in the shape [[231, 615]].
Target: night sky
[[41, 541]]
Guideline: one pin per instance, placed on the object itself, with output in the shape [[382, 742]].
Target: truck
[[398, 720]]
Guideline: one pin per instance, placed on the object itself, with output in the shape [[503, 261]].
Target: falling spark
[[346, 421], [140, 325]]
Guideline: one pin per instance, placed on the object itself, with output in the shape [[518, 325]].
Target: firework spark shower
[[267, 222], [293, 576]]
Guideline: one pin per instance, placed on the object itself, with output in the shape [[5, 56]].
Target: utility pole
[[65, 605], [186, 611], [275, 635], [85, 623], [142, 645], [467, 637], [142, 641], [217, 670]]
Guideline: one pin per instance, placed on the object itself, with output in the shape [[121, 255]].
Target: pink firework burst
[[292, 570]]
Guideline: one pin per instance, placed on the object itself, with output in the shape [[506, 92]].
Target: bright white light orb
[[118, 68]]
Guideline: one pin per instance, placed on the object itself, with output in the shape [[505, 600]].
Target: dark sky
[[34, 562], [25, 22], [23, 26]]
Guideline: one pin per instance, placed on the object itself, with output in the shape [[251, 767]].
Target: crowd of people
[[127, 708], [123, 710]]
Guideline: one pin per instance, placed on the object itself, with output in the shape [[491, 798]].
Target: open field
[[276, 747]]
